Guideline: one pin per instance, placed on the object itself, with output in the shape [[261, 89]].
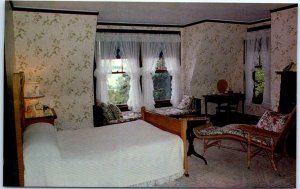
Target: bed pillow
[[185, 103], [272, 121], [40, 140]]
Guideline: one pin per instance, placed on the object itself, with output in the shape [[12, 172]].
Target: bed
[[81, 158]]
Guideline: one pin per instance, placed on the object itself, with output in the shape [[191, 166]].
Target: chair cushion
[[231, 129], [272, 121], [185, 103]]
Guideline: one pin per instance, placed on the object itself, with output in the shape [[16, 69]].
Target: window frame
[[122, 107]]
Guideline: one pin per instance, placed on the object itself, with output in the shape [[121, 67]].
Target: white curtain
[[151, 46], [150, 56], [265, 53], [249, 68], [171, 52], [252, 52], [103, 55], [131, 52]]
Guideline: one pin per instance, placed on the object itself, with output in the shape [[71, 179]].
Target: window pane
[[118, 88], [162, 86], [119, 65], [259, 84]]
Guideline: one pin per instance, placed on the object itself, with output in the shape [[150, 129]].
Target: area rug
[[228, 169]]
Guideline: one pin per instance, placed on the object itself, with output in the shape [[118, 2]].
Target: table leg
[[191, 149]]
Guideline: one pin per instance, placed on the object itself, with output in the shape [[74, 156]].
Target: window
[[124, 69], [257, 68], [118, 82], [161, 81], [258, 79]]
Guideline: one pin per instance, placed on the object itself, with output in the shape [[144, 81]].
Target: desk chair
[[229, 107]]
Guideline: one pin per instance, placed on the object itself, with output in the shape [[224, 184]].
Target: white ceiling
[[162, 13]]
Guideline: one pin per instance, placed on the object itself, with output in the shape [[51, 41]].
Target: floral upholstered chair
[[269, 133]]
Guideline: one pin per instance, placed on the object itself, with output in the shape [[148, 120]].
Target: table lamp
[[31, 96]]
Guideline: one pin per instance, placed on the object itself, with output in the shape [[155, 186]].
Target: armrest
[[258, 131]]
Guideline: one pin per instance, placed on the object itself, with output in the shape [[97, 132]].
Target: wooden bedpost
[[183, 136], [18, 94]]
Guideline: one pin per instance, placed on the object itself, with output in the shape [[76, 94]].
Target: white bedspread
[[126, 154]]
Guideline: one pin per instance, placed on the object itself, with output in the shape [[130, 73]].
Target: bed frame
[[165, 123]]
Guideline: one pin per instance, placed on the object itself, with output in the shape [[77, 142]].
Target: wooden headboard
[[19, 114]]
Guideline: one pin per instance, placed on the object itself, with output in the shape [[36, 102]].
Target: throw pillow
[[272, 121], [115, 111], [107, 114], [185, 102]]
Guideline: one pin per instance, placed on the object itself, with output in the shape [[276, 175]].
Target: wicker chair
[[267, 136]]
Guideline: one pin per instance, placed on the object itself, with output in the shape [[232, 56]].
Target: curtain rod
[[137, 31], [264, 27]]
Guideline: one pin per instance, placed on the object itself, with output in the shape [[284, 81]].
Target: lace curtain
[[104, 53], [266, 66], [129, 49], [171, 53], [252, 52], [131, 53], [129, 45], [150, 56]]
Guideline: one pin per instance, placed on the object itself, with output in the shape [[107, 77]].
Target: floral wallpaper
[[283, 47], [57, 50], [212, 51]]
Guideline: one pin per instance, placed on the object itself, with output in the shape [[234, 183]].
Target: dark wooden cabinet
[[288, 93]]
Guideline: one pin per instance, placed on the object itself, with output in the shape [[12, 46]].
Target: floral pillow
[[185, 103], [115, 111], [272, 121], [107, 114]]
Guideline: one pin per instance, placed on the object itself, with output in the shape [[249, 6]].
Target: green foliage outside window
[[118, 88], [259, 82], [162, 86]]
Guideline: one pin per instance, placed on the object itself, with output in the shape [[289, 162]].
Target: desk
[[193, 121], [223, 98]]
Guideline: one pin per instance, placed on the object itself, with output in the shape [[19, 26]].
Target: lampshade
[[32, 90]]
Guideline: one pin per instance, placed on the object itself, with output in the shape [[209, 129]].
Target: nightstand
[[47, 116]]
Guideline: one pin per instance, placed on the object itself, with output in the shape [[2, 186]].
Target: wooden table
[[193, 121], [47, 116], [223, 98]]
